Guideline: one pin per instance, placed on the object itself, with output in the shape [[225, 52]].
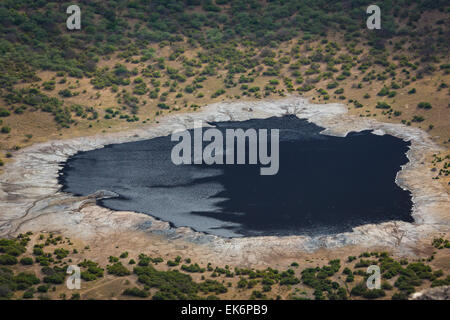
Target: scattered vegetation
[[400, 278]]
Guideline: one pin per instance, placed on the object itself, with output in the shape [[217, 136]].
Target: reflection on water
[[324, 184]]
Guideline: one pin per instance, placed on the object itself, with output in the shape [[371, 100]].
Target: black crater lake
[[324, 185]]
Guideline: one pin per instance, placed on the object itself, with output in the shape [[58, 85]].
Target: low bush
[[136, 292]]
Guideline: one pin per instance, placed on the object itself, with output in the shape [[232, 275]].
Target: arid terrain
[[30, 185], [129, 75]]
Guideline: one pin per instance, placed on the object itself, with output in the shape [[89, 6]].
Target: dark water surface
[[324, 184]]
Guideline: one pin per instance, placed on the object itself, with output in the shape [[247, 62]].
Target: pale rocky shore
[[439, 293], [31, 200]]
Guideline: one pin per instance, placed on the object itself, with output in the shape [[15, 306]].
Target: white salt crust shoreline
[[31, 200]]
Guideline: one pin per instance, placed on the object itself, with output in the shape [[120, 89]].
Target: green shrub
[[163, 106], [7, 259], [92, 270], [29, 294], [359, 289], [171, 263], [210, 286], [374, 294], [43, 288], [12, 247], [61, 253], [257, 295], [25, 280], [424, 105], [417, 119], [383, 92], [140, 89], [66, 93], [386, 286], [252, 283], [49, 85], [4, 112], [399, 296], [75, 296], [26, 261], [6, 129], [118, 269], [37, 251], [113, 259], [136, 292], [55, 275], [392, 94], [332, 85], [218, 93], [192, 268], [364, 263], [242, 283], [441, 282], [382, 105], [170, 284]]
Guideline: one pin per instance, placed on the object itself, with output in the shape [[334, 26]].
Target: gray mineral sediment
[[30, 196]]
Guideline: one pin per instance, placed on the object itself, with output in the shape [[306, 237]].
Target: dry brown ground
[[111, 287], [43, 128]]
